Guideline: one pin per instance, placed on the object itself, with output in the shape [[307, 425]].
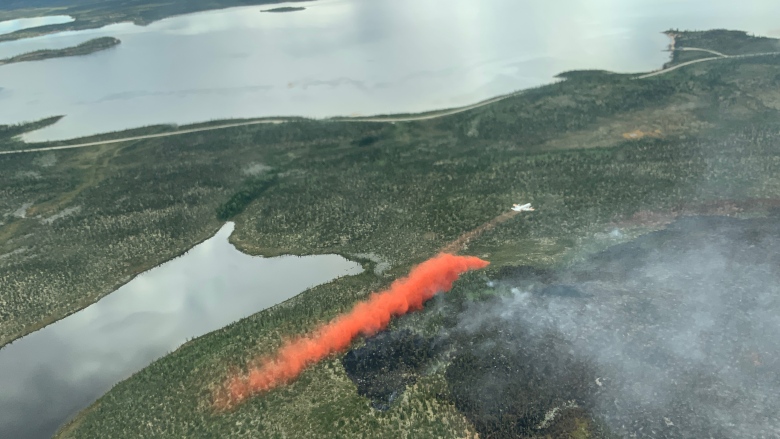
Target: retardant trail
[[458, 244], [366, 318]]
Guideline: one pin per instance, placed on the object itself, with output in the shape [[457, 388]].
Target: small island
[[85, 48], [284, 9]]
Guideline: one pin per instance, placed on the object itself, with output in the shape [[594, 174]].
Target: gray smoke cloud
[[681, 327]]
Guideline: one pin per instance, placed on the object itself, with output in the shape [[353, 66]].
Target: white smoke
[[682, 327]]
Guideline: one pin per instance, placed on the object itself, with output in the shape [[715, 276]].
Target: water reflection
[[51, 374], [6, 27], [345, 57]]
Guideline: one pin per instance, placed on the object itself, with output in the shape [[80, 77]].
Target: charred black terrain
[[510, 383], [387, 363], [670, 335], [673, 335]]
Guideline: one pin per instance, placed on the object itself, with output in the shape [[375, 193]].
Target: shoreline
[[191, 127], [87, 302], [673, 37], [231, 123], [148, 267], [83, 21], [88, 47]]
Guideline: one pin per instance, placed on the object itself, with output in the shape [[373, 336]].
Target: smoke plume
[[679, 331], [366, 318]]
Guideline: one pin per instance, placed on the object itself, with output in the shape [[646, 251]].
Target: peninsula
[[85, 48], [285, 9], [89, 14]]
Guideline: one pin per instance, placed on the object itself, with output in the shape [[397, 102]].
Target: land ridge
[[85, 48]]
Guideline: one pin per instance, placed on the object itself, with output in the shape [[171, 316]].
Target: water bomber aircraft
[[522, 208]]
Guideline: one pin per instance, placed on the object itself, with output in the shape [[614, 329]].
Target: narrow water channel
[[8, 26], [50, 375]]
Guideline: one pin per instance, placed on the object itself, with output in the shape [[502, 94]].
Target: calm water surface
[[345, 57], [50, 375], [6, 27]]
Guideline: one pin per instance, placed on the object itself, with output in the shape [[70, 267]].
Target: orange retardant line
[[366, 318]]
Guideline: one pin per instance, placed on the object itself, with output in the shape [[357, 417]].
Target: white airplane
[[524, 208]]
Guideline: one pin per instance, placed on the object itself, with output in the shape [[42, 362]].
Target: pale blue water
[[8, 26], [345, 57], [50, 375]]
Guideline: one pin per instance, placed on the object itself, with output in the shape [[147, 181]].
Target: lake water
[[8, 26], [50, 375], [345, 57]]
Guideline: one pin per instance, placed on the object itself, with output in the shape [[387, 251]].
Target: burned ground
[[673, 335], [387, 363], [508, 382]]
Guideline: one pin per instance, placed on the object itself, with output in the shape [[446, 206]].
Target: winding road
[[148, 136], [699, 49], [713, 58], [390, 119]]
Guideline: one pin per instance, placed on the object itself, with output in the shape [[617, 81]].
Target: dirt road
[[460, 243], [720, 56], [148, 136], [413, 117], [388, 119]]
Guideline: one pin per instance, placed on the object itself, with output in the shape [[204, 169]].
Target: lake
[[50, 375], [344, 57], [8, 26]]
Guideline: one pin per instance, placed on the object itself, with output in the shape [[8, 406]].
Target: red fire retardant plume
[[366, 318]]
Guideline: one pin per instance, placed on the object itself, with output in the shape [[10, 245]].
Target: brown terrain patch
[[676, 119], [460, 243], [654, 219], [638, 134]]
